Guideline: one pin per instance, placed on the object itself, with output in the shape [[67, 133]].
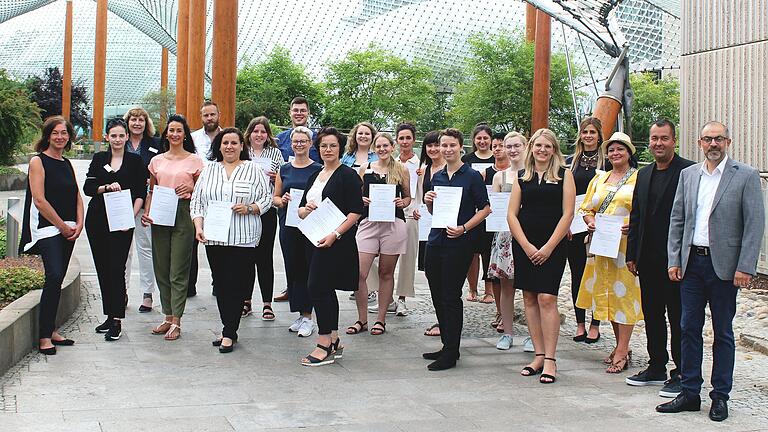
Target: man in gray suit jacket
[[715, 230]]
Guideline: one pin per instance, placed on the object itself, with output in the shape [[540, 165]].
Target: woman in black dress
[[53, 220], [540, 213], [333, 261]]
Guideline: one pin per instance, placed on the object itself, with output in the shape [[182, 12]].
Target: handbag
[[607, 201]]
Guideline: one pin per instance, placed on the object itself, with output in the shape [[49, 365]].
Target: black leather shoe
[[47, 351], [719, 410], [432, 355], [441, 363], [679, 404], [63, 342], [224, 349]]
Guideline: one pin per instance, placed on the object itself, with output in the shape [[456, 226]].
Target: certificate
[[412, 170], [445, 208], [607, 235], [497, 220], [425, 222], [119, 210], [265, 164], [322, 221], [162, 209], [481, 166], [218, 216], [489, 189], [577, 224], [382, 206], [292, 218]]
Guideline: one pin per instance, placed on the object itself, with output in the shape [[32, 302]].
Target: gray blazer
[[736, 222]]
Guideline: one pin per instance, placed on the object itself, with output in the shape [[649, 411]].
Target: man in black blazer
[[646, 257]]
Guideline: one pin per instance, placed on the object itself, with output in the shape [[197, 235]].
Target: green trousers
[[171, 254]]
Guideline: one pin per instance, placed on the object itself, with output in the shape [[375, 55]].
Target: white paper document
[[425, 222], [322, 221], [265, 164], [292, 218], [481, 166], [412, 170], [162, 210], [578, 225], [607, 235], [218, 216], [119, 210], [497, 220], [445, 208], [382, 206]]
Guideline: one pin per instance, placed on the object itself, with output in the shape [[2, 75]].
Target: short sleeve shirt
[[172, 173]]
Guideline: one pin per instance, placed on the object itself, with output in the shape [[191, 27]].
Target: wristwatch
[[248, 209], [465, 229], [338, 236]]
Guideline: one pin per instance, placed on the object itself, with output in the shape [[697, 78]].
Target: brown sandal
[[618, 366], [488, 298], [162, 328], [173, 333]]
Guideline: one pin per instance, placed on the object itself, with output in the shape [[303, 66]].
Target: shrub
[[17, 281], [10, 170]]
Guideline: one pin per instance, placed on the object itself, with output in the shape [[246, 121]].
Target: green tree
[[18, 116], [654, 99], [266, 88], [376, 86], [498, 87], [157, 103], [46, 92]]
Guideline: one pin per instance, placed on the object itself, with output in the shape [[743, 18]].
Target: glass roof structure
[[319, 31]]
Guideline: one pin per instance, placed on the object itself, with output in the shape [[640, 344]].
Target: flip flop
[[471, 297], [486, 299], [432, 327]]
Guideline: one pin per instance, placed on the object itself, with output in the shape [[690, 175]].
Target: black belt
[[700, 250]]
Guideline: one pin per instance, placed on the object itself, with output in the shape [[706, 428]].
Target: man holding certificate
[[458, 201], [228, 199]]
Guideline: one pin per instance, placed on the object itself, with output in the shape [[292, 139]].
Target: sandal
[[173, 333], [267, 313], [618, 366], [162, 328], [488, 298], [357, 327], [380, 330], [529, 371], [311, 360], [609, 360], [496, 320], [547, 378], [338, 349], [247, 309], [500, 327], [430, 331], [471, 297]]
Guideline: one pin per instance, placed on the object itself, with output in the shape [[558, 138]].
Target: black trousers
[[446, 268], [422, 253], [110, 253], [660, 300], [55, 253], [230, 284], [265, 268], [296, 271], [192, 282], [577, 260]]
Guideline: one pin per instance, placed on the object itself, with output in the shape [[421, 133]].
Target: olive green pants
[[171, 254]]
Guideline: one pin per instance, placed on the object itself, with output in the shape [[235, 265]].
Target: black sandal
[[430, 328], [547, 378], [378, 331], [247, 309], [338, 349], [354, 329], [267, 313], [314, 361], [529, 371]]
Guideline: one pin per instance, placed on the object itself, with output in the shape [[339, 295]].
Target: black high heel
[[547, 378], [311, 360], [529, 371], [338, 349]]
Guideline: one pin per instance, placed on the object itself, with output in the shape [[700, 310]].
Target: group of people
[[690, 234]]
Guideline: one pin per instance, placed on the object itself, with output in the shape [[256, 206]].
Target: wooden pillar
[[196, 62], [164, 86], [66, 83], [541, 63], [225, 60], [182, 49], [530, 22], [99, 70]]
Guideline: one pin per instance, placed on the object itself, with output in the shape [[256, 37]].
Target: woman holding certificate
[[172, 177], [608, 289], [228, 199], [382, 231], [113, 173], [539, 216], [458, 202], [333, 259], [264, 152], [289, 188]]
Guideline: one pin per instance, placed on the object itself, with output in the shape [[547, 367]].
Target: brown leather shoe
[[282, 297]]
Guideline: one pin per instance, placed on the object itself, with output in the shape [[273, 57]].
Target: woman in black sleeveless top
[[53, 220]]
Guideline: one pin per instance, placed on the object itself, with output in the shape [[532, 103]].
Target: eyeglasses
[[300, 142], [718, 139]]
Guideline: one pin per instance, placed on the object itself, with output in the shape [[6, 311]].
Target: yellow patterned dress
[[608, 289]]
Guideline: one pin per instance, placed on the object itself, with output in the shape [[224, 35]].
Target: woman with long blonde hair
[[359, 149]]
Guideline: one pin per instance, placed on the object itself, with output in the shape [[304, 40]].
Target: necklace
[[588, 161]]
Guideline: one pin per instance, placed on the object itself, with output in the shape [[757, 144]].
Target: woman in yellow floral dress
[[608, 289]]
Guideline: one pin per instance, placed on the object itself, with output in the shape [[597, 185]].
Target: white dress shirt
[[202, 144], [707, 188], [411, 164]]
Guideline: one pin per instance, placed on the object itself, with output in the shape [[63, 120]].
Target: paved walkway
[[142, 383]]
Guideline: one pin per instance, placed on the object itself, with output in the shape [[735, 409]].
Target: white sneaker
[[401, 309], [505, 342], [296, 324], [306, 328], [372, 297], [528, 345], [391, 309]]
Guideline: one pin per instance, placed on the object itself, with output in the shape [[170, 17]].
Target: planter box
[[19, 320], [13, 182]]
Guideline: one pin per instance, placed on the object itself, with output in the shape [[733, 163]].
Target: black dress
[[541, 209]]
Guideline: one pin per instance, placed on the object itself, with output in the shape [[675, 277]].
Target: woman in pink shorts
[[385, 239]]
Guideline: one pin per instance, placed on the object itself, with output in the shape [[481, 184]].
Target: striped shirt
[[246, 185], [272, 153]]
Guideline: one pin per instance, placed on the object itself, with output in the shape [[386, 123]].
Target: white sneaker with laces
[[374, 308], [528, 345], [372, 297], [401, 309], [505, 342], [306, 328], [295, 326]]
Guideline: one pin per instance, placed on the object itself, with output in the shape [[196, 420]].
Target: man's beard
[[211, 127]]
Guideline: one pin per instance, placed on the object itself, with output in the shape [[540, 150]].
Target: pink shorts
[[386, 238]]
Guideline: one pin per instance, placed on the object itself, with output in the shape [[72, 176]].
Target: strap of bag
[[611, 194]]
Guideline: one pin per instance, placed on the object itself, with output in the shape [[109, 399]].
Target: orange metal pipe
[[541, 65], [196, 62], [607, 110], [225, 59]]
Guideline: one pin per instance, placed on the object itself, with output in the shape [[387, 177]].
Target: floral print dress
[[501, 265]]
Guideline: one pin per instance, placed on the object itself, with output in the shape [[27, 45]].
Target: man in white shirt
[[204, 136], [715, 230]]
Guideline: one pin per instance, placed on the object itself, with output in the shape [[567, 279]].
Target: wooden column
[[99, 70], [541, 63], [164, 86], [225, 59], [530, 22], [66, 83], [196, 62], [182, 49]]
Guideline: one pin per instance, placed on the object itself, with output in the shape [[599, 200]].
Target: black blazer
[[644, 212], [132, 175], [149, 148], [344, 188]]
